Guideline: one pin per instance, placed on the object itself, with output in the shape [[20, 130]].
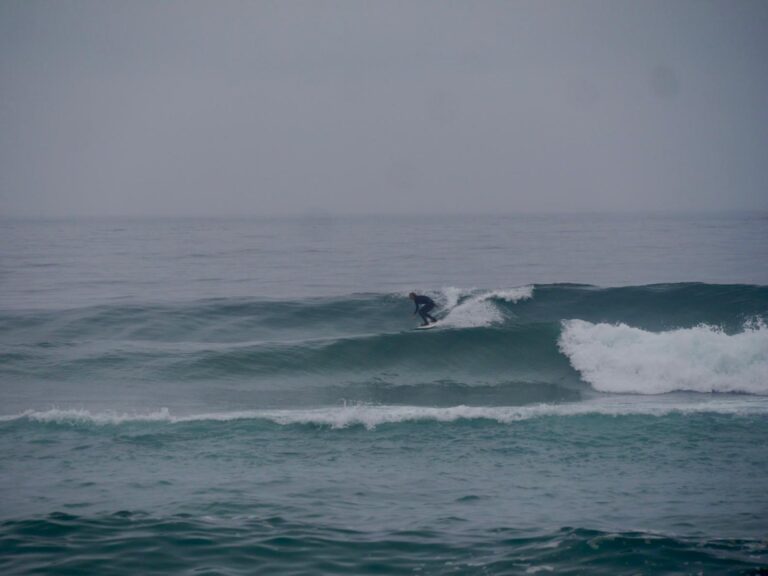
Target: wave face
[[645, 339]]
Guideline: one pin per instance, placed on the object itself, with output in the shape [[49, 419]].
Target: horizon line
[[415, 214]]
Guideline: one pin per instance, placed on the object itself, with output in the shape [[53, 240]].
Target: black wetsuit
[[427, 304]]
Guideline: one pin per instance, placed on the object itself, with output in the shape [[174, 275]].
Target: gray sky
[[235, 107]]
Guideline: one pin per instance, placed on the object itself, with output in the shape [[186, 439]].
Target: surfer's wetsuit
[[427, 304]]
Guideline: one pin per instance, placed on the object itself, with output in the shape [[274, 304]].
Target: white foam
[[83, 416], [472, 313], [623, 359], [452, 295], [477, 308], [371, 416], [511, 294], [536, 569]]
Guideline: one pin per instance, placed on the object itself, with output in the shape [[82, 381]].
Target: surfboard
[[427, 327]]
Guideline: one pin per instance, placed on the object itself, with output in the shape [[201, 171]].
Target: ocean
[[249, 396]]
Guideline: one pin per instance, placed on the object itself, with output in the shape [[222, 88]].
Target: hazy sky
[[256, 107]]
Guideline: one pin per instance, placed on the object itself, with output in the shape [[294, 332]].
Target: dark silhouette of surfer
[[424, 304]]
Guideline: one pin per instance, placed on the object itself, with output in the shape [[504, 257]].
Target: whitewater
[[249, 395]]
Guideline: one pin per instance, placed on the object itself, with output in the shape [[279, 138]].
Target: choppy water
[[240, 396]]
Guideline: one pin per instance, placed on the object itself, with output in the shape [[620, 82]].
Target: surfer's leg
[[423, 315]]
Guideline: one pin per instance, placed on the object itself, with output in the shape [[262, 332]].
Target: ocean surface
[[249, 396]]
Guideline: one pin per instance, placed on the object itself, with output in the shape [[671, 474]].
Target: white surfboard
[[427, 327]]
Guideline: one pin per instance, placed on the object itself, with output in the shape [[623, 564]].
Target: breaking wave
[[624, 359]]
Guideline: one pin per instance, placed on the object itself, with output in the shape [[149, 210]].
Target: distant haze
[[194, 108]]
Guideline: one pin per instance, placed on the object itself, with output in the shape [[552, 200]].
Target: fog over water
[[258, 108]]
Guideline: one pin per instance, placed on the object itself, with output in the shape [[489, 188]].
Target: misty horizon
[[190, 108]]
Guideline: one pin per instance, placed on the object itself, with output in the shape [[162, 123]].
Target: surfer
[[427, 304]]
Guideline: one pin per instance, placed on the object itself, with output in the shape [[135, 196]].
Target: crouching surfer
[[424, 305]]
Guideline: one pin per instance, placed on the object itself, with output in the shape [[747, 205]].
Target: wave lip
[[619, 358], [371, 416]]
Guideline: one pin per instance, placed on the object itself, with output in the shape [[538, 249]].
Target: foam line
[[371, 416]]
